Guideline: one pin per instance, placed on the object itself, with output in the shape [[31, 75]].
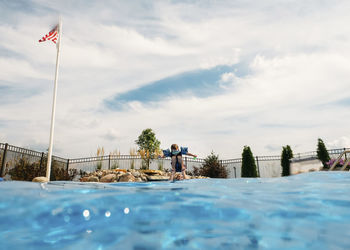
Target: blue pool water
[[306, 211]]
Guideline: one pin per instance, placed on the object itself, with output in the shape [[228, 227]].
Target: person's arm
[[184, 151], [191, 155]]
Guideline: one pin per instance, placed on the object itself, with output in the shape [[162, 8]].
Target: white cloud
[[228, 77], [342, 142], [10, 70]]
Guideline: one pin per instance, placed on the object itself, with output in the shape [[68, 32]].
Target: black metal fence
[[90, 164], [9, 155], [268, 166]]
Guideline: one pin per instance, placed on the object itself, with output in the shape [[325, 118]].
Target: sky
[[210, 75]]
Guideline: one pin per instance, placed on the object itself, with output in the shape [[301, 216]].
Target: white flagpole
[[49, 156]]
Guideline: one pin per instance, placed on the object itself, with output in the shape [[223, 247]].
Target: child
[[176, 159]]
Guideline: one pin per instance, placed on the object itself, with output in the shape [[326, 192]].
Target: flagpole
[[49, 155]]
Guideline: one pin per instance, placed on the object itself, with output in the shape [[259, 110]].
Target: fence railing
[[267, 166]]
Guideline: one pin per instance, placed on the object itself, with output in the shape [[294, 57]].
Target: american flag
[[53, 35]]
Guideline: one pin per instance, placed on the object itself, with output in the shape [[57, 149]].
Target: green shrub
[[99, 153], [144, 165], [60, 174], [99, 165], [115, 165], [248, 163], [211, 168], [26, 171], [160, 165], [322, 153], [287, 154]]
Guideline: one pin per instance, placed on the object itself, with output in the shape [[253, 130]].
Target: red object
[[53, 35]]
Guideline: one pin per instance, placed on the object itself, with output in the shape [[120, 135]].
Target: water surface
[[306, 211]]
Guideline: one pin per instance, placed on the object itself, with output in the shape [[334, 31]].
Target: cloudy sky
[[210, 75]]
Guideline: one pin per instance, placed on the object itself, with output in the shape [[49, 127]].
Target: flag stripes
[[52, 36]]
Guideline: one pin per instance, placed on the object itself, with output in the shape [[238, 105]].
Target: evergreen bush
[[287, 154], [322, 153], [26, 171], [248, 163], [211, 168]]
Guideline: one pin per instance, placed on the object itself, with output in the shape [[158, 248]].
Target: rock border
[[132, 175]]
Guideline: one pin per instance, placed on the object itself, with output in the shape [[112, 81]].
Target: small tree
[[287, 154], [248, 163], [212, 167], [322, 153], [148, 145]]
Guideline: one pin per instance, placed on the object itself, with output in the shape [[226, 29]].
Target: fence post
[[235, 172], [3, 159], [109, 161], [345, 154], [41, 161], [67, 165], [257, 165]]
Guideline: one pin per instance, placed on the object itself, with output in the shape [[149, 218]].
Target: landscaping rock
[[93, 179], [132, 175], [136, 174], [157, 178], [152, 172], [85, 179], [128, 177], [40, 179], [109, 178], [120, 170], [144, 177]]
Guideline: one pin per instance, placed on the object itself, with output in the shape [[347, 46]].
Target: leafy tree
[[148, 145], [248, 163], [322, 153], [212, 167], [287, 154]]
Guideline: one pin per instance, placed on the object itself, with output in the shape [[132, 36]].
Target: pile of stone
[[131, 175]]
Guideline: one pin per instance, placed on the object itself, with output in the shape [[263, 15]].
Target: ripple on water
[[308, 211]]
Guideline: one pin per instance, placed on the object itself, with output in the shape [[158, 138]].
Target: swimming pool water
[[306, 211]]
